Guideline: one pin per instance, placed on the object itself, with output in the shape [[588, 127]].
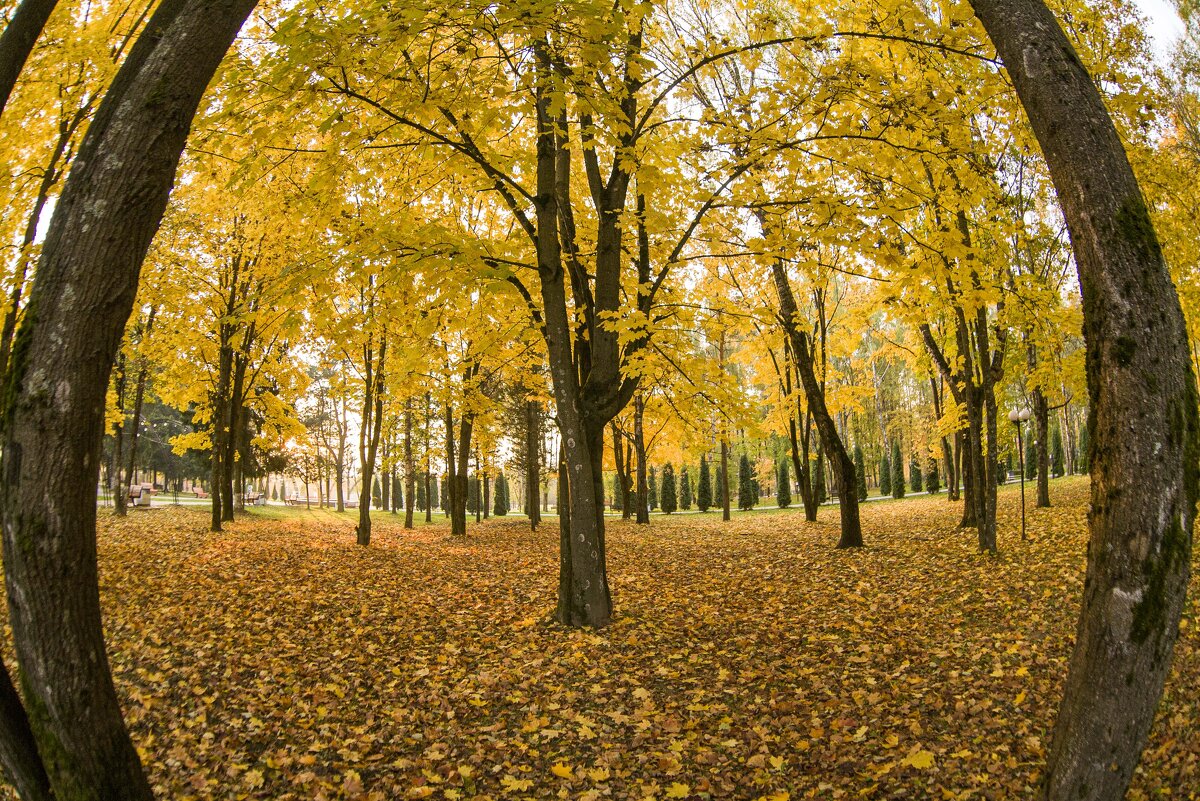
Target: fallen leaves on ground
[[748, 660]]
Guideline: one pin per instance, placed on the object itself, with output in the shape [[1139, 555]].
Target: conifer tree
[[897, 471], [397, 493], [914, 475], [932, 481], [685, 489], [703, 487], [274, 492], [860, 473], [652, 489], [885, 475], [668, 500], [500, 504], [719, 487], [376, 493], [745, 484], [1056, 453], [783, 485], [422, 503]]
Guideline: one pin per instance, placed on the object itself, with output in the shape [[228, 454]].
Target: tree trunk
[[410, 483], [1144, 432], [117, 482], [372, 425], [20, 35], [82, 296], [726, 512], [533, 473], [642, 499], [831, 440], [1041, 419]]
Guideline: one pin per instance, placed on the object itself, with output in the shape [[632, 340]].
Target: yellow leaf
[[1020, 698], [512, 784], [561, 770], [921, 760], [598, 774], [678, 790]]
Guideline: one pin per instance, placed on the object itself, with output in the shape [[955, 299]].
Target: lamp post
[[1018, 416]]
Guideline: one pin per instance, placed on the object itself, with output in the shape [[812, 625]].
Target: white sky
[[1165, 25]]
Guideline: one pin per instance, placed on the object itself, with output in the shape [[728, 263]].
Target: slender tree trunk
[[831, 440], [1041, 420], [726, 511], [533, 473], [410, 483], [1144, 431], [373, 424], [642, 500], [117, 482]]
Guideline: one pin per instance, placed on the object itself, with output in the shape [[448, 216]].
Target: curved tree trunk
[[82, 296], [20, 35], [1143, 417]]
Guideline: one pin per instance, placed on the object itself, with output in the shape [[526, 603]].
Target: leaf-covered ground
[[748, 660]]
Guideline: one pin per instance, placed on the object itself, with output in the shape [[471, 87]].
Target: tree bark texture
[[1142, 420], [64, 351]]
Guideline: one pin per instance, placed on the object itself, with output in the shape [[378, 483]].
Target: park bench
[[138, 496], [255, 499], [200, 493], [351, 504]]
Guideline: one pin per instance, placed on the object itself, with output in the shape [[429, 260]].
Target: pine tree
[[473, 493], [783, 485], [274, 492], [685, 489], [885, 475], [669, 503], [1082, 462], [397, 493], [376, 493], [719, 487], [500, 496], [914, 475], [897, 471], [745, 484], [932, 481], [1031, 458], [704, 487], [652, 489], [860, 473], [421, 502], [437, 489], [1056, 453]]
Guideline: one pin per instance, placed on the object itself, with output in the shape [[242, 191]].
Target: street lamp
[[1018, 416]]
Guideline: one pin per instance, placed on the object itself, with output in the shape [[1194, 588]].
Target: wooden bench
[[200, 493], [254, 499], [138, 496]]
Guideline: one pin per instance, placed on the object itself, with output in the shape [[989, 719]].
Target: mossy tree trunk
[[82, 296], [1143, 417]]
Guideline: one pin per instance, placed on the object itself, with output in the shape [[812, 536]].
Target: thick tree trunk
[[20, 35], [1143, 418], [82, 296]]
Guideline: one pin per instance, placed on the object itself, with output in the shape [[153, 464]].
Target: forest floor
[[747, 660]]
